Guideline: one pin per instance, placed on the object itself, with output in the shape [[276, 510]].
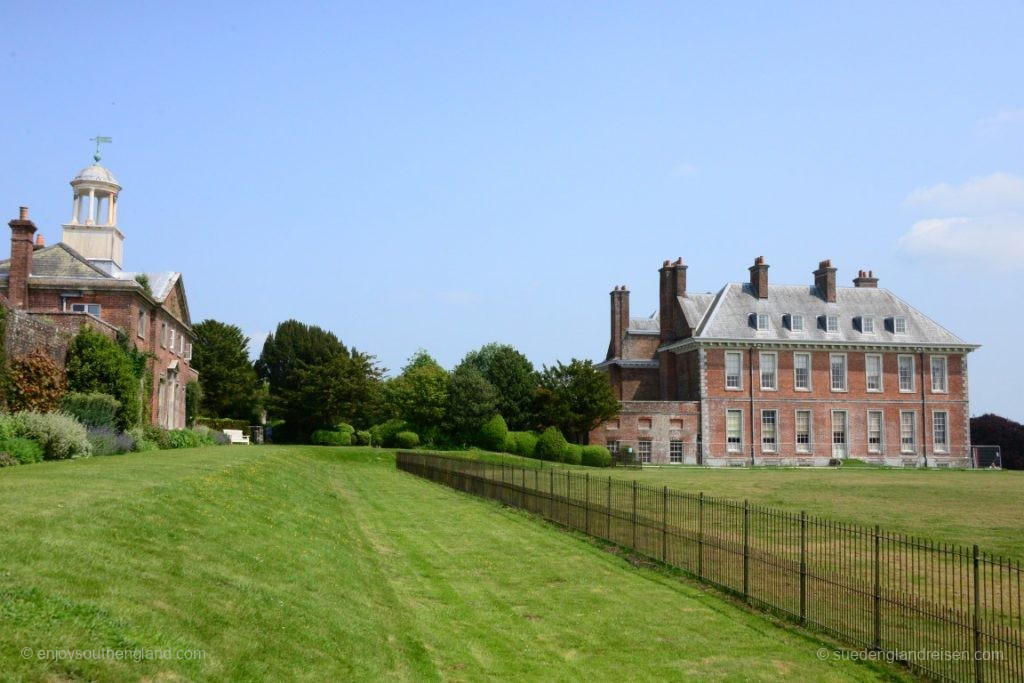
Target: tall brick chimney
[[866, 278], [672, 285], [620, 320], [825, 281], [22, 230], [759, 278]]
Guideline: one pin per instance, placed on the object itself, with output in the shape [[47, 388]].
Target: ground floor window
[[875, 431], [769, 431], [675, 452], [613, 446], [734, 430], [839, 428], [940, 429], [908, 432], [645, 451], [803, 431]]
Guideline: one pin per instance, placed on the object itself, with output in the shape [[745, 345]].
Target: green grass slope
[[305, 563]]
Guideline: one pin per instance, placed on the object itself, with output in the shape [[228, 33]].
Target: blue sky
[[443, 175]]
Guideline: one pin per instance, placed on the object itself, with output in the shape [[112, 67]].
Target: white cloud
[[996, 240], [988, 194]]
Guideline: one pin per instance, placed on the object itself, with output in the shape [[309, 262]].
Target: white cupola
[[92, 230]]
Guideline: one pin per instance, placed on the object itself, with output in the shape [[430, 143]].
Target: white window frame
[[940, 446], [831, 373], [867, 324], [904, 389], [908, 446], [644, 454], [734, 447], [943, 387], [796, 322], [770, 417], [796, 381], [845, 433], [188, 351], [899, 325], [774, 377], [739, 373], [92, 309], [170, 345], [832, 323], [803, 447], [880, 447], [143, 319], [613, 446], [763, 322], [675, 452], [867, 373]]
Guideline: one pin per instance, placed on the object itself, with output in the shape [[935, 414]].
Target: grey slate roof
[[730, 316], [645, 325], [59, 260], [160, 283]]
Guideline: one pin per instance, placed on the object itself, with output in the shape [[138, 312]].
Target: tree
[[36, 383], [221, 357], [993, 430], [315, 381], [513, 377], [471, 401], [420, 394], [576, 398], [97, 364]]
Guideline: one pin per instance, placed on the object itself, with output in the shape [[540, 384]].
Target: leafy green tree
[[97, 364], [420, 394], [471, 401], [512, 375], [315, 381], [576, 398], [230, 386]]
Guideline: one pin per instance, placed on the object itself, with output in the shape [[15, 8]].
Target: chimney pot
[[665, 264], [22, 213]]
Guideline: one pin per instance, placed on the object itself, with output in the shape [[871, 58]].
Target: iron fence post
[[608, 519], [878, 592], [586, 504], [634, 514], [551, 494], [803, 567], [700, 535], [664, 524], [977, 617], [746, 549]]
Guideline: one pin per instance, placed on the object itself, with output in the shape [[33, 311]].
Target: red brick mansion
[[787, 375], [80, 280]]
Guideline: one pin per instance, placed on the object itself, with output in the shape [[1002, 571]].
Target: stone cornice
[[692, 343]]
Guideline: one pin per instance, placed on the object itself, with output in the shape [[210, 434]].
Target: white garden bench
[[236, 436]]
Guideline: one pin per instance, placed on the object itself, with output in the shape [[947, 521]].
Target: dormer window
[[795, 322], [867, 324], [831, 323], [763, 322], [899, 325]]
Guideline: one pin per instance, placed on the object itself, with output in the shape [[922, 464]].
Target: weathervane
[[99, 139]]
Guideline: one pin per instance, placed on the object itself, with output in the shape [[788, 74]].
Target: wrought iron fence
[[947, 611]]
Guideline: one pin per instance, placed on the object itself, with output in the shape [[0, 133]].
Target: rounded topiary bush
[[493, 433], [384, 433], [363, 437], [551, 445], [345, 427], [526, 444], [510, 443], [407, 439], [326, 437], [596, 456], [93, 409], [573, 454]]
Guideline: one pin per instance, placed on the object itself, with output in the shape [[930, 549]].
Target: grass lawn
[[953, 506], [310, 563]]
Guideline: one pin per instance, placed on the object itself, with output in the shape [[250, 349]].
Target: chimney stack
[[825, 281], [759, 278], [620, 320], [672, 285], [22, 230], [40, 242], [866, 278]]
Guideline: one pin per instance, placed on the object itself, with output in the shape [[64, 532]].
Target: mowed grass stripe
[[313, 564]]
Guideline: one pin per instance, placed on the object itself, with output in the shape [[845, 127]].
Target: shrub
[[184, 438], [363, 437], [97, 364], [493, 433], [573, 454], [157, 435], [211, 437], [7, 460], [143, 446], [345, 427], [384, 433], [326, 437], [221, 423], [596, 456], [108, 441], [92, 410], [60, 436], [510, 443], [551, 445], [36, 383], [23, 451], [526, 443], [407, 440]]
